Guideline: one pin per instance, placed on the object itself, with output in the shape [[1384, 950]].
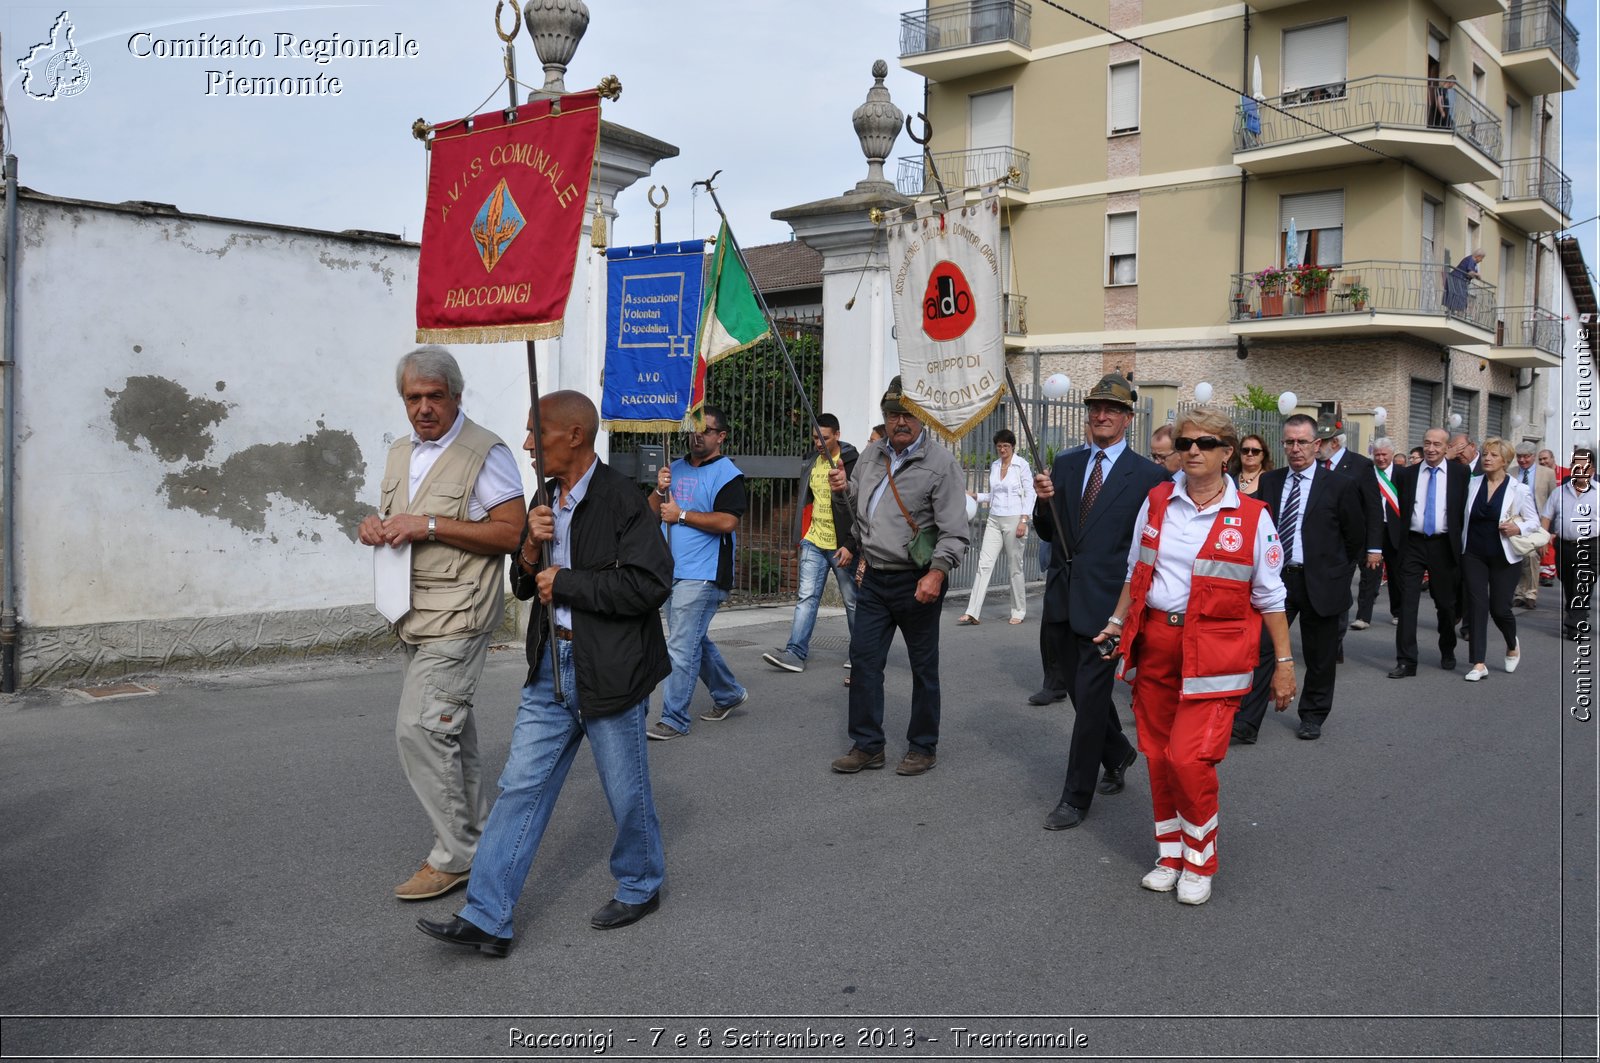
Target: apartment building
[[1153, 209]]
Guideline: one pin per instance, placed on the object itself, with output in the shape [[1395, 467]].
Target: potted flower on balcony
[[1358, 296], [1311, 283], [1270, 282]]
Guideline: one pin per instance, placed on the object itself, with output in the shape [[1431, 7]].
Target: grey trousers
[[438, 741]]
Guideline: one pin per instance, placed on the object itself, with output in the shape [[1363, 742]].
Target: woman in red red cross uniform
[[1203, 575]]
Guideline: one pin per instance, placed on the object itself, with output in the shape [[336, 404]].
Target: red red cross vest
[[1221, 630]]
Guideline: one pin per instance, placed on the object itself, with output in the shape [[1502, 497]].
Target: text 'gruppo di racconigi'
[[318, 51]]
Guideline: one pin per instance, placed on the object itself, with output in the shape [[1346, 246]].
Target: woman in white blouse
[[1010, 498], [1498, 507]]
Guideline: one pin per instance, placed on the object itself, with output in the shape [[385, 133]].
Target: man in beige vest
[[1542, 482], [451, 489]]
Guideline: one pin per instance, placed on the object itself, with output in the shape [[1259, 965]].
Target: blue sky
[[759, 89]]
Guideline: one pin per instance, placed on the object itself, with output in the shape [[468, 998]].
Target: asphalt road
[[218, 858]]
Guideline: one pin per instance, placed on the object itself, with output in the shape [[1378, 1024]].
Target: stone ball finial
[[877, 124], [556, 27]]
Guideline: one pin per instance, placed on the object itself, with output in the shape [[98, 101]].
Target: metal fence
[[769, 436], [1371, 285], [1372, 103], [971, 168], [1530, 326], [965, 24], [1536, 178], [1540, 24]]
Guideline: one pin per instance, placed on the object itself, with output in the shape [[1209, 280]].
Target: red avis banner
[[506, 202]]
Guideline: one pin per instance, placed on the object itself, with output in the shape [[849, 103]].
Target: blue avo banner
[[652, 313]]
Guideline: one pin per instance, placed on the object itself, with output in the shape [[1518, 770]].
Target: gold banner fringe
[[641, 426], [543, 330], [958, 434]]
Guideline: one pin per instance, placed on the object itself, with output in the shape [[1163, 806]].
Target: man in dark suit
[[1384, 472], [1095, 492], [1323, 531], [1433, 502], [1336, 457]]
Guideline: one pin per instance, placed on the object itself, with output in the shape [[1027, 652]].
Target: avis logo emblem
[[1230, 540], [497, 224], [947, 304], [55, 69]]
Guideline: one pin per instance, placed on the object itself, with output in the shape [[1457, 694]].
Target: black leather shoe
[[1309, 731], [1339, 657], [460, 932], [1448, 663], [621, 913], [1112, 782], [1064, 817], [1046, 696], [1244, 736], [1402, 671]]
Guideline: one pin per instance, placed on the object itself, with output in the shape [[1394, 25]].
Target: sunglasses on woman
[[1250, 450], [1206, 443]]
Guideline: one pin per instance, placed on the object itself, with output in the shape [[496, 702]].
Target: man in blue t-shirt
[[700, 498]]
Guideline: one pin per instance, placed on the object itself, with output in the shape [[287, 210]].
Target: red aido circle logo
[[947, 304]]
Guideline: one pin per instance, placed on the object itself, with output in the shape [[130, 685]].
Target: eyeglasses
[[1205, 443], [1299, 442], [1251, 450]]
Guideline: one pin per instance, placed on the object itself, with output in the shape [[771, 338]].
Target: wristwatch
[[683, 516], [433, 529]]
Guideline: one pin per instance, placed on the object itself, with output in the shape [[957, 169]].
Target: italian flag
[[1386, 489], [730, 320]]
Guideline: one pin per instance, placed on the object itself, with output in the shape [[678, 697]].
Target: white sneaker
[[1476, 673], [1359, 625], [1514, 658], [1194, 888], [1161, 879]]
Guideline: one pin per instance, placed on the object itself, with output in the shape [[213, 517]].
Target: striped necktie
[[1291, 518], [1092, 490]]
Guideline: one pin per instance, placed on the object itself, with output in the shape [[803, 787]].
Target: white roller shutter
[[1312, 210], [1122, 103], [1315, 55], [989, 120], [1122, 248]]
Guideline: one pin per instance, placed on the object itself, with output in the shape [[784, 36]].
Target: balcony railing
[[1370, 103], [1537, 178], [1016, 314], [1409, 288], [1540, 25], [947, 26], [1529, 326], [962, 169]]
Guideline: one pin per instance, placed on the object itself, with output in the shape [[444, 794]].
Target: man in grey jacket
[[901, 484]]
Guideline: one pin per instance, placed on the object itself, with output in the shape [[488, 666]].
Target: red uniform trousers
[[1183, 741]]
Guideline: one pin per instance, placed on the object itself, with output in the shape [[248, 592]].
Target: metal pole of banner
[[926, 140], [766, 312]]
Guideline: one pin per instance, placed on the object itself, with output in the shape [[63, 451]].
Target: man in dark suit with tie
[[1433, 502], [1394, 538], [1323, 530], [1095, 493], [1336, 457]]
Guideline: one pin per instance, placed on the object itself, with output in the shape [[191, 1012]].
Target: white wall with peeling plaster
[[295, 332]]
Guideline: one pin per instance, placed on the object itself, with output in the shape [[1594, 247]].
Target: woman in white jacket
[[1498, 507], [1010, 498]]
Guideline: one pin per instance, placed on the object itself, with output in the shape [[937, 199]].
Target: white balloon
[[1287, 402], [1202, 392], [972, 508], [1379, 415], [1057, 385], [1517, 420], [1550, 409], [1455, 420]]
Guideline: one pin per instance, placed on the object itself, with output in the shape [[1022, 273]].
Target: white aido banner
[[949, 312]]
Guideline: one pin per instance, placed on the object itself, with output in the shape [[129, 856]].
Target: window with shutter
[[1464, 402], [1122, 99], [1496, 424], [1314, 62], [1122, 248], [1319, 227], [1420, 411]]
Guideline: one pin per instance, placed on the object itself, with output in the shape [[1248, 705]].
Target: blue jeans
[[815, 564], [689, 611], [887, 602], [543, 743]]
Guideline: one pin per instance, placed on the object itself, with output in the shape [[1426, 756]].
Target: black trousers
[[1097, 738], [885, 603], [1319, 645], [1433, 556], [1490, 583], [1372, 580], [1576, 561]]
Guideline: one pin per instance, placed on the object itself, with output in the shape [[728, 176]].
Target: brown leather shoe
[[857, 759], [914, 763], [430, 882]]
